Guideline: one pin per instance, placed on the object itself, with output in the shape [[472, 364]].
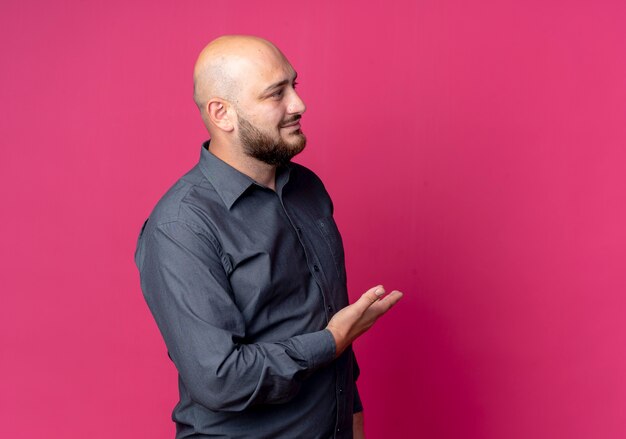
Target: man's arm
[[186, 287]]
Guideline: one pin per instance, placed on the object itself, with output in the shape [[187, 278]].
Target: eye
[[277, 94]]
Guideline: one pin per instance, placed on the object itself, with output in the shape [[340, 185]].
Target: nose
[[296, 104]]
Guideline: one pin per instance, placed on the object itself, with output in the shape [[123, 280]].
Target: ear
[[218, 114]]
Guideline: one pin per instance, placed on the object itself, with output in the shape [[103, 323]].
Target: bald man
[[242, 266]]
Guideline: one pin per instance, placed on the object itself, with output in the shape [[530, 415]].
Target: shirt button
[[330, 308], [340, 391], [298, 229], [316, 268]]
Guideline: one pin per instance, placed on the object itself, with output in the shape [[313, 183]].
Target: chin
[[295, 138]]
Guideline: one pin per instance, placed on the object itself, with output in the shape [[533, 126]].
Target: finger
[[387, 302], [369, 297], [392, 298]]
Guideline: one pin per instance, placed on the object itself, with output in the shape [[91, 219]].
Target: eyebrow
[[280, 84]]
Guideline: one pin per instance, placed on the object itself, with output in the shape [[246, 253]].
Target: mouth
[[292, 123]]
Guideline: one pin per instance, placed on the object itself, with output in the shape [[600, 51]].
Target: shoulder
[[184, 213], [191, 202]]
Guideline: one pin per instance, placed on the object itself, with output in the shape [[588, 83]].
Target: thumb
[[369, 297]]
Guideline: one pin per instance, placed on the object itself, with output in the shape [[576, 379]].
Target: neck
[[260, 172], [257, 170]]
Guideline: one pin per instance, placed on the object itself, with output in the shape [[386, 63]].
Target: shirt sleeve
[[187, 290]]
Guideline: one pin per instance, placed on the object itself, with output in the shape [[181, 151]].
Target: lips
[[292, 123]]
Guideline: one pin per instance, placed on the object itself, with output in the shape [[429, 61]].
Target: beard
[[273, 150]]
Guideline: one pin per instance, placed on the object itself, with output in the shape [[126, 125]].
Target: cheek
[[269, 116], [276, 118]]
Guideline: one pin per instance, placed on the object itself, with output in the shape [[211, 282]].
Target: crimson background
[[475, 153]]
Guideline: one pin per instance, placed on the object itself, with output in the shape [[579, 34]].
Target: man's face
[[269, 113]]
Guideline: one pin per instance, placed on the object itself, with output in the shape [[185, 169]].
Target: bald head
[[225, 63], [246, 91]]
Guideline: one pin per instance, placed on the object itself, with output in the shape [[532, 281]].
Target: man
[[243, 269]]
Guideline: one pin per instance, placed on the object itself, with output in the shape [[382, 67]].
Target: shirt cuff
[[318, 348]]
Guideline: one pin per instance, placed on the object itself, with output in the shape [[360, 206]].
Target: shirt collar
[[229, 183]]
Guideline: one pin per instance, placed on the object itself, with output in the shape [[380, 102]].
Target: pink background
[[476, 155]]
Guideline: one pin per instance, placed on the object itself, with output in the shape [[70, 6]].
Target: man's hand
[[358, 429], [352, 321]]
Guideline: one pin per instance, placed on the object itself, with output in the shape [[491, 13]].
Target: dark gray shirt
[[242, 281]]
